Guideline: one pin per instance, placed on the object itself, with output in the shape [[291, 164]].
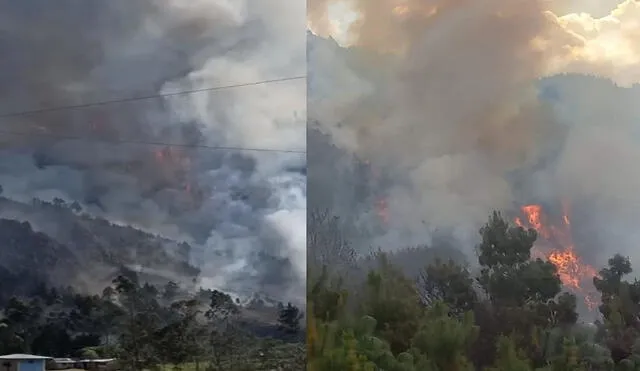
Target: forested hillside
[[75, 285], [513, 315], [56, 243]]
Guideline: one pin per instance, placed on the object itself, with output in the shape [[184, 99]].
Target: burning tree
[[508, 274], [522, 294], [555, 244]]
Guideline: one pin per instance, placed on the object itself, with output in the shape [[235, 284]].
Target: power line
[[146, 97], [151, 143], [141, 142]]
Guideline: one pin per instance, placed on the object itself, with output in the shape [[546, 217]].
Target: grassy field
[[281, 357], [184, 367]]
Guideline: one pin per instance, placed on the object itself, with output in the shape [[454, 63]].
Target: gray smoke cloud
[[466, 106], [244, 211]]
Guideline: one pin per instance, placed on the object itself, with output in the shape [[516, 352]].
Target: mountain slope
[[57, 244]]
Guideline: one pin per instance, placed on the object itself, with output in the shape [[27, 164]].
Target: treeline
[[511, 316], [147, 327]]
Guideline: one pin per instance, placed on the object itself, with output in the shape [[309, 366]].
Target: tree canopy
[[510, 314], [145, 326]]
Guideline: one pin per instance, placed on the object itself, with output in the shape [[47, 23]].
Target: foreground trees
[[146, 327], [510, 316]]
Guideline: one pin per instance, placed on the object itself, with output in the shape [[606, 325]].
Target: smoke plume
[[243, 210], [471, 106]]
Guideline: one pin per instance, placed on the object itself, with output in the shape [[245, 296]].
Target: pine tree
[[289, 318]]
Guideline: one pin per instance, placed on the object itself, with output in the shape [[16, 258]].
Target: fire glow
[[382, 210], [555, 244], [175, 165]]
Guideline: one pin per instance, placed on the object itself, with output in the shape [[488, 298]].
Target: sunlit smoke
[[571, 42], [469, 107]]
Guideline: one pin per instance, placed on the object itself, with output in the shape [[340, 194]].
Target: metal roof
[[22, 356], [63, 360], [102, 360]]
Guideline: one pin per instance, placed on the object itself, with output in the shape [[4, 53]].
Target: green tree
[[569, 359], [620, 307], [89, 353], [509, 358], [137, 338], [23, 318], [289, 318], [224, 337], [521, 291], [328, 300], [182, 340], [449, 283], [444, 340], [508, 275], [394, 302]]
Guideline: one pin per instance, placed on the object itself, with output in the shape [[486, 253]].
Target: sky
[[584, 37]]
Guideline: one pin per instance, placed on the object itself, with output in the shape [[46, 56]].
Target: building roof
[[23, 357], [63, 360], [105, 360]]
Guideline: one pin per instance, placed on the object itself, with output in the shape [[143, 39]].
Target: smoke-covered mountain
[[450, 178], [55, 244], [241, 212], [399, 174]]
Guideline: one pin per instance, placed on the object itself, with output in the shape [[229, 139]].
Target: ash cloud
[[467, 107], [243, 210]]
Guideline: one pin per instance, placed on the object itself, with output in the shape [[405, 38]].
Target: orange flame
[[573, 272], [159, 155], [534, 217], [382, 209], [171, 158], [174, 166]]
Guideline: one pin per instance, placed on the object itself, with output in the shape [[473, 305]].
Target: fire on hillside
[[555, 244]]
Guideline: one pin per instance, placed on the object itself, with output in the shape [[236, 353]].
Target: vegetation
[[61, 239], [512, 315], [144, 320], [146, 327]]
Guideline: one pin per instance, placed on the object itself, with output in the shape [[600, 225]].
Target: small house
[[23, 362]]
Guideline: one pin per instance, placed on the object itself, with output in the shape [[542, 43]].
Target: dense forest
[[147, 327], [513, 315]]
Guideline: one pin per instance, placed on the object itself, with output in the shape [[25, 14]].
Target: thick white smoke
[[243, 210], [467, 105]]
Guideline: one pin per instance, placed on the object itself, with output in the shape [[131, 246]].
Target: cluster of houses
[[30, 362]]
